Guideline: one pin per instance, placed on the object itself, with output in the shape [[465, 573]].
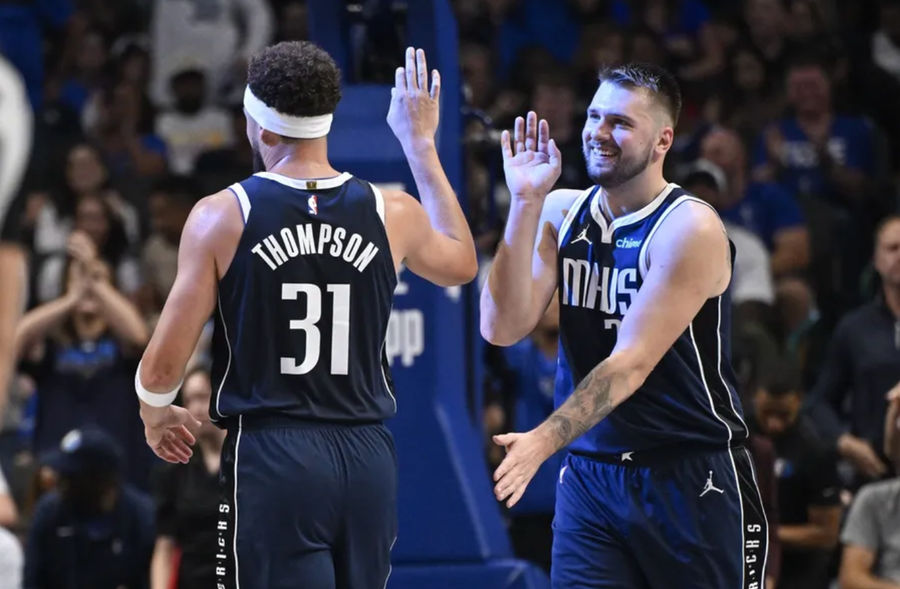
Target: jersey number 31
[[340, 327]]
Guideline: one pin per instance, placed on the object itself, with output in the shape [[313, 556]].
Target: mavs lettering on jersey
[[689, 397], [304, 307]]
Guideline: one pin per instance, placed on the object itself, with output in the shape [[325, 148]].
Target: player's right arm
[[523, 275], [432, 238]]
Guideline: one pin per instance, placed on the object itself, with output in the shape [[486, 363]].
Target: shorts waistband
[[657, 456], [270, 421]]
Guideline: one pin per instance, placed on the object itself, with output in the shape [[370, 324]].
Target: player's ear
[[665, 138], [267, 137]]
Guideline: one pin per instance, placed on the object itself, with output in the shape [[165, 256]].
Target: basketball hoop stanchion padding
[[451, 533]]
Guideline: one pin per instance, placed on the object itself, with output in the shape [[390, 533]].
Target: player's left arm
[[211, 230], [690, 262]]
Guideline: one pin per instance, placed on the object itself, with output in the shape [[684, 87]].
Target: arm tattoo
[[589, 403]]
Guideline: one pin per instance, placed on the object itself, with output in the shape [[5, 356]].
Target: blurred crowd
[[790, 130]]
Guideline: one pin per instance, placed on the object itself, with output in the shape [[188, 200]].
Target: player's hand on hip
[[531, 161], [168, 431], [414, 113], [524, 455]]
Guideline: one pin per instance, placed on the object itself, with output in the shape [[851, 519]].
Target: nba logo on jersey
[[313, 203]]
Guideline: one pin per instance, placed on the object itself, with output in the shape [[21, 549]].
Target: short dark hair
[[656, 80], [296, 78], [780, 377]]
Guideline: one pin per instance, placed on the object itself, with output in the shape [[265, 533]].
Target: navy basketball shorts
[[691, 521], [306, 505]]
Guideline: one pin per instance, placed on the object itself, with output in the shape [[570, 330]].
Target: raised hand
[[81, 247], [531, 161], [413, 115]]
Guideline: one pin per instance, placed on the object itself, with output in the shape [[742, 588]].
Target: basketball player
[[657, 489], [299, 263]]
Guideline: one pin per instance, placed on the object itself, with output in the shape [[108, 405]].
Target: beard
[[621, 170]]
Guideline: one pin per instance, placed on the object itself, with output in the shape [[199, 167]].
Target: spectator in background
[[192, 126], [170, 203], [871, 535], [886, 40], [219, 34], [752, 288], [85, 66], [478, 75], [552, 26], [293, 22], [767, 25], [97, 231], [602, 45], [749, 100], [225, 165], [120, 120], [863, 364], [553, 98], [81, 350], [808, 488], [93, 531], [761, 207], [816, 151], [187, 500]]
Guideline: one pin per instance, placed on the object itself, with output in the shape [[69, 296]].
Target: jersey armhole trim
[[643, 262], [379, 201], [573, 212], [243, 200]]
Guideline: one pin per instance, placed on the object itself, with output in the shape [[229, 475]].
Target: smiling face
[[625, 132]]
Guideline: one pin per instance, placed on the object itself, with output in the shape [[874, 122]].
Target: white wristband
[[151, 398]]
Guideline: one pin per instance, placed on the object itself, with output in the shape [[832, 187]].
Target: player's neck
[[304, 159], [634, 194]]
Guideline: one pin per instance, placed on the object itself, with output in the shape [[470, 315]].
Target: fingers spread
[[505, 147], [421, 69], [519, 131], [543, 136], [185, 434], [531, 131], [400, 79], [411, 83], [435, 84]]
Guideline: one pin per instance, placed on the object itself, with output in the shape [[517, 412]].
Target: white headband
[[289, 126]]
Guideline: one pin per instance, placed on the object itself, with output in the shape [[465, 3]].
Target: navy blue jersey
[[304, 307], [689, 396]]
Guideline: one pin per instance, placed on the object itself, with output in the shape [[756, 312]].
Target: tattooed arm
[[682, 275]]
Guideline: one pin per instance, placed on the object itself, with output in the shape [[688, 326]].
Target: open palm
[[531, 160]]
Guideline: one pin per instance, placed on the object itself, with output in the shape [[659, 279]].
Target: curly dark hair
[[296, 78]]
